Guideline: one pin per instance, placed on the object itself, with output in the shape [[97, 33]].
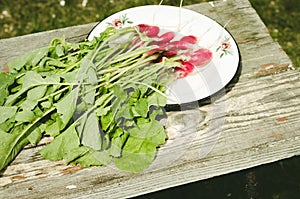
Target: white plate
[[206, 80]]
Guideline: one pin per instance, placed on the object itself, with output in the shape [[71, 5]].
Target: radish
[[153, 51], [190, 55], [150, 31], [163, 39], [187, 66], [166, 37], [180, 72], [200, 57], [183, 70], [179, 45], [189, 39], [170, 53]]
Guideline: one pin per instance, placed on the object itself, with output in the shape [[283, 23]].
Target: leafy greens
[[99, 99]]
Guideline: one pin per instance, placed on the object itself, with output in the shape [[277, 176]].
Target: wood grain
[[253, 122]]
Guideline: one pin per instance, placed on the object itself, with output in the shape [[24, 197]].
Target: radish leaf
[[7, 112], [63, 144], [92, 134]]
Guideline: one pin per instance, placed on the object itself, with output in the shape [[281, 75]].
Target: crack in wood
[[271, 68]]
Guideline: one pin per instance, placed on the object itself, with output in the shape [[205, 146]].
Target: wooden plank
[[256, 130], [252, 123]]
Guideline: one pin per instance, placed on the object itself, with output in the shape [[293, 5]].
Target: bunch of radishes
[[191, 55]]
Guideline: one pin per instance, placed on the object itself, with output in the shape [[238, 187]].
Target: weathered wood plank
[[255, 123], [257, 129]]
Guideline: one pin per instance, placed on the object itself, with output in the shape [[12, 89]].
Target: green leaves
[[135, 162], [142, 107], [28, 59], [14, 141], [30, 80], [38, 85], [141, 145], [156, 99], [66, 107], [5, 81], [151, 132], [25, 116], [92, 134], [98, 99], [35, 136], [10, 148], [62, 145], [7, 112], [94, 158]]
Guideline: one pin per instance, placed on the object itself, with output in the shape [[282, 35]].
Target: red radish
[[150, 31], [184, 69], [178, 45], [153, 51], [187, 66], [189, 39], [163, 45], [166, 37], [180, 73], [136, 40], [170, 53], [158, 42], [168, 48], [143, 27], [200, 57]]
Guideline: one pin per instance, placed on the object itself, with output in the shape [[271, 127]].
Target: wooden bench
[[259, 124]]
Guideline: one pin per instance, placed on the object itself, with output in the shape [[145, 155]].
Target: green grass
[[26, 17], [278, 180], [282, 19]]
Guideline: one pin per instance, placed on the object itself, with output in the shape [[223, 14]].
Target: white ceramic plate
[[206, 80]]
